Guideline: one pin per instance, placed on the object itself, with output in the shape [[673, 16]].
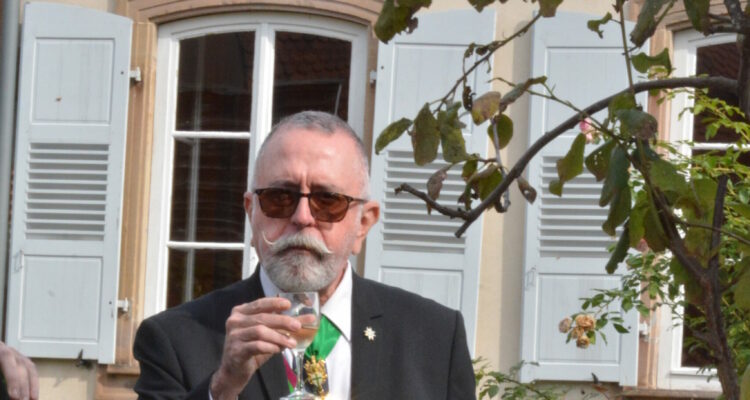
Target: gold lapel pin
[[370, 333]]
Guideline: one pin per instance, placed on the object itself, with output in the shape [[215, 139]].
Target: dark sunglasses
[[324, 206]]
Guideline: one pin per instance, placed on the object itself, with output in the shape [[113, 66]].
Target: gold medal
[[316, 375]]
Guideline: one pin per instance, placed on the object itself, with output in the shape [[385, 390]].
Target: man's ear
[[370, 215], [249, 204]]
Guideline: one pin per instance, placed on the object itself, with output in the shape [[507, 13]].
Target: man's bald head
[[323, 122]]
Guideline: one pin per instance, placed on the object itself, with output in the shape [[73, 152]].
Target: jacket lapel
[[367, 352]]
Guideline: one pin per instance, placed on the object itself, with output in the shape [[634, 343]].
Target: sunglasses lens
[[278, 203], [282, 203], [328, 207]]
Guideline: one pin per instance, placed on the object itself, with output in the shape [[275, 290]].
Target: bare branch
[[734, 9], [450, 212], [491, 48], [693, 82]]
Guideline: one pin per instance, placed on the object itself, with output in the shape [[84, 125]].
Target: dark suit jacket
[[419, 352]]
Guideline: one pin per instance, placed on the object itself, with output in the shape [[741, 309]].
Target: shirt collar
[[338, 308]]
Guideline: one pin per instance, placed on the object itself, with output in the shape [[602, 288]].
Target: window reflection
[[210, 178], [310, 73], [214, 84], [193, 273]]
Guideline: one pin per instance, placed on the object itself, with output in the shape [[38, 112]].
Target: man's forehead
[[323, 152]]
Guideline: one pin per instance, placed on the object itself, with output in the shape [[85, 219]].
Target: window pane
[[311, 73], [214, 85], [717, 60], [209, 180], [202, 271]]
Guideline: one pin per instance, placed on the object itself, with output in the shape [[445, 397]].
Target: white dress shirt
[[338, 309]]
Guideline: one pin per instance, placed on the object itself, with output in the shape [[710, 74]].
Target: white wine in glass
[[306, 308]]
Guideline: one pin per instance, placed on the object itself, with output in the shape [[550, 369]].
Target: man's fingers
[[264, 305], [33, 379], [263, 334]]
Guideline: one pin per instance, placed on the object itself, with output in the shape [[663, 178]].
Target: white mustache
[[297, 240]]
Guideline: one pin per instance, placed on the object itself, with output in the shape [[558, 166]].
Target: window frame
[[264, 24], [671, 374]]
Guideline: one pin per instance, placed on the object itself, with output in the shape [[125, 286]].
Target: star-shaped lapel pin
[[370, 333]]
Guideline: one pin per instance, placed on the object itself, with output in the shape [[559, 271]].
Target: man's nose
[[303, 215]]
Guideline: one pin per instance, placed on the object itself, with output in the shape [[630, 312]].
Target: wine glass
[[306, 308]]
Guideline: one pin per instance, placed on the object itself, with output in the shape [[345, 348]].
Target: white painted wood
[[565, 248], [409, 248], [264, 25], [70, 147]]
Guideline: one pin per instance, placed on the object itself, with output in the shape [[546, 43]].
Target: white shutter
[[565, 248], [409, 248], [70, 144]]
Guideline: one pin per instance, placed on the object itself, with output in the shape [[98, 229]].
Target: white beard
[[299, 263]]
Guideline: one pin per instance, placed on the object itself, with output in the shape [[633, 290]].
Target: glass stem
[[300, 360]]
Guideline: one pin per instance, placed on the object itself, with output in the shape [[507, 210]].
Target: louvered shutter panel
[[70, 144], [565, 248], [409, 248]]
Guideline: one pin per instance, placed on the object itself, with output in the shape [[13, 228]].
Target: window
[[222, 82], [694, 54]]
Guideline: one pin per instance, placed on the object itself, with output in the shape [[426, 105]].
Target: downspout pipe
[[8, 74]]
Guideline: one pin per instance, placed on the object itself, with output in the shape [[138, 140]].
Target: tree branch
[[693, 82], [450, 212], [721, 191], [734, 9]]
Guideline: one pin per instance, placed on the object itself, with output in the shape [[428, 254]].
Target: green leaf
[[642, 62], [620, 329], [518, 91], [435, 183], [548, 7], [623, 101], [621, 250], [619, 211], [664, 175], [741, 209], [479, 5], [470, 167], [598, 161], [391, 133], [637, 217], [595, 24], [489, 182], [426, 137], [648, 20], [654, 235], [745, 384], [569, 166], [504, 130], [627, 304], [742, 291], [617, 176], [451, 138], [636, 123], [697, 12], [392, 20], [485, 106]]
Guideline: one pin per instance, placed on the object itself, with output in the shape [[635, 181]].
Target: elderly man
[[309, 211]]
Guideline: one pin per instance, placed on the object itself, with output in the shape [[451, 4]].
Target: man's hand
[[20, 374], [254, 333]]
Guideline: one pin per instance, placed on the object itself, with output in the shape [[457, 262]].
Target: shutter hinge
[[123, 305], [643, 329], [373, 77], [135, 74]]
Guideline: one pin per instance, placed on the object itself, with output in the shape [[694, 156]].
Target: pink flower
[[589, 130]]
